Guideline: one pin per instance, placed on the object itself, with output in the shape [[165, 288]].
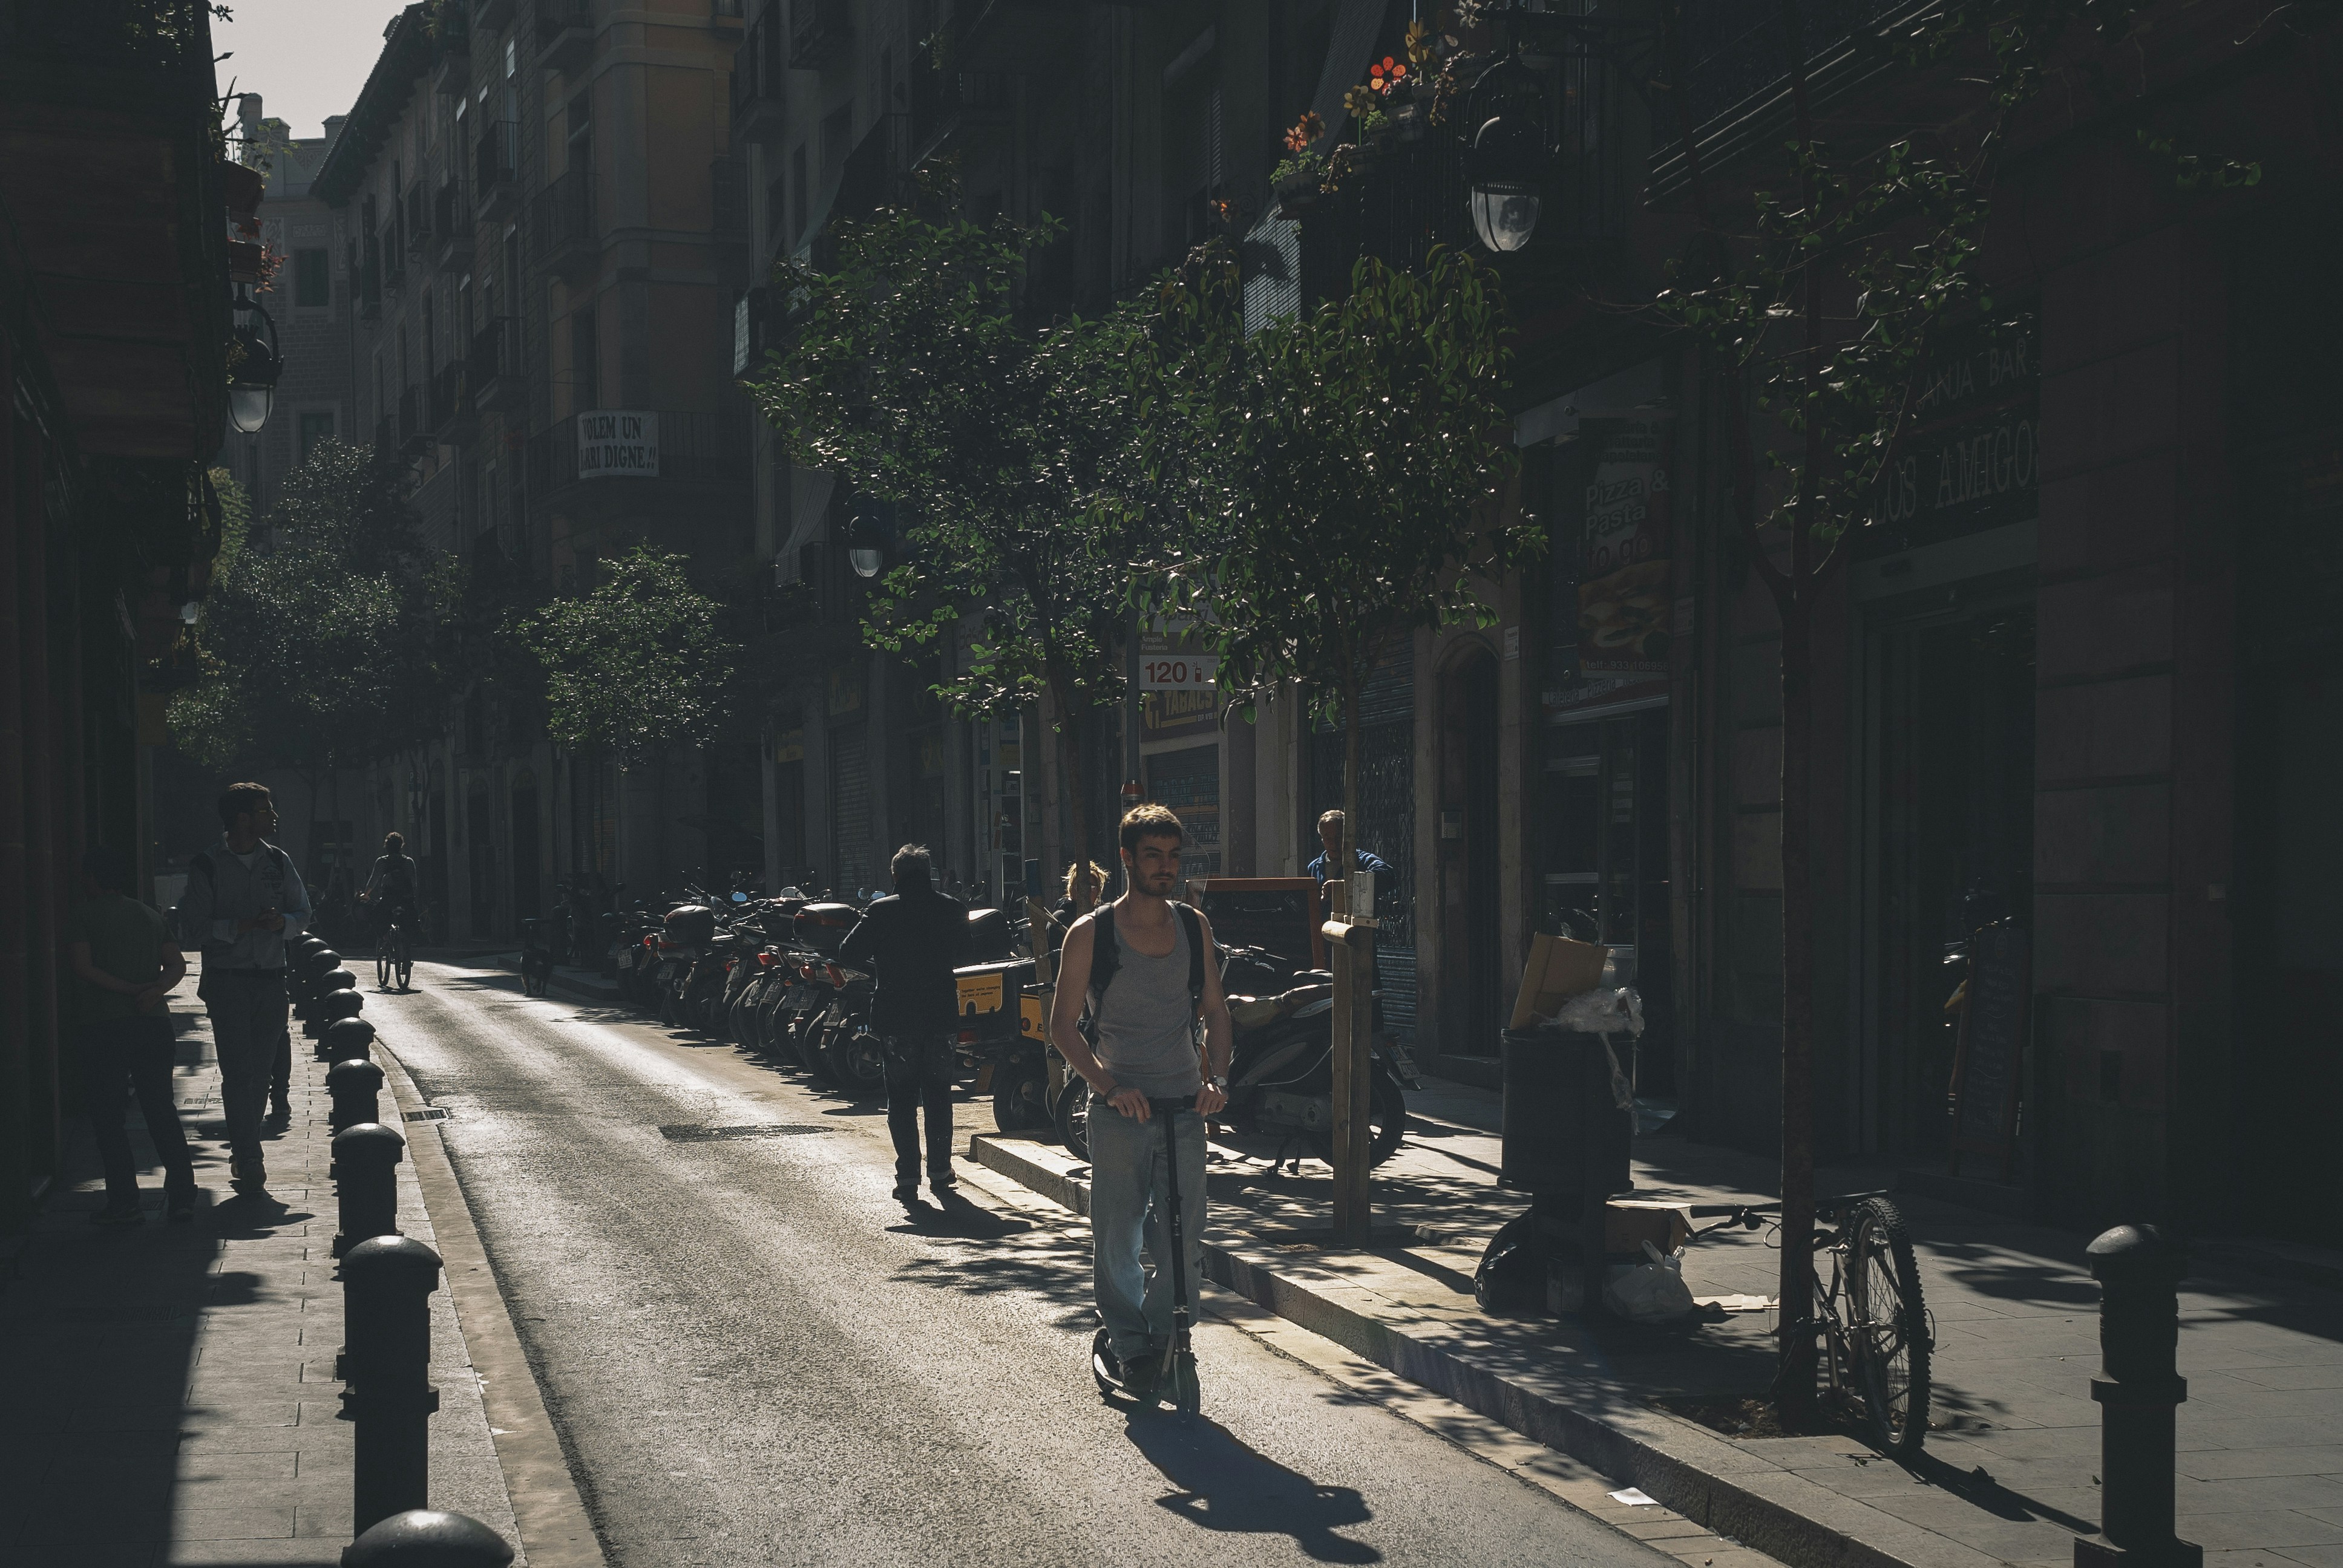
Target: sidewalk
[[166, 1391], [2010, 1474]]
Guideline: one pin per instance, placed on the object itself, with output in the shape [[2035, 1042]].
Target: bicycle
[[1868, 1311], [394, 955]]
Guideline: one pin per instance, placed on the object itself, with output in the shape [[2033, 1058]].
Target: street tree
[[1817, 307], [315, 645], [1007, 447], [1348, 462], [637, 664]]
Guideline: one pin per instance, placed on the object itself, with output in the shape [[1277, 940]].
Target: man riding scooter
[[1142, 967]]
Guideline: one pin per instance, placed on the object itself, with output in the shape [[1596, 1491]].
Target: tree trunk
[[1076, 776], [1793, 1386], [1353, 1215]]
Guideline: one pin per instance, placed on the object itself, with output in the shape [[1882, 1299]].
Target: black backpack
[[1106, 954]]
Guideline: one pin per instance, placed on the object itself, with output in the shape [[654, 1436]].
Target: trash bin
[[1566, 1136]]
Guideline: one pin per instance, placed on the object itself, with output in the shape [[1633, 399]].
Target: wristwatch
[[1219, 1081]]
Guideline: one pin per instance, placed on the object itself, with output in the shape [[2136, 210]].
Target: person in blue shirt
[[1329, 834]]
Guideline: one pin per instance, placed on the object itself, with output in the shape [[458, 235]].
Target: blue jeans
[[1131, 1185]]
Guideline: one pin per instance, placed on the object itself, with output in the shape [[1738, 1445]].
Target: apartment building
[[537, 208]]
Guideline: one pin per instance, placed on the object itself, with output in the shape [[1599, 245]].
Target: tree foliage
[[1359, 449], [315, 642], [1817, 310], [1008, 450], [636, 665]]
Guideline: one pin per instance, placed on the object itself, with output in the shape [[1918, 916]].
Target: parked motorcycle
[[1282, 1071]]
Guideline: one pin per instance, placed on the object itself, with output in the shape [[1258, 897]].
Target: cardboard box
[[1629, 1222], [1558, 968]]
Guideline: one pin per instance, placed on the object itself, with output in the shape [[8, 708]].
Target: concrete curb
[[1725, 1486], [555, 1530]]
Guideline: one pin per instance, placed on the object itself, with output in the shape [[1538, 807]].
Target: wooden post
[[1350, 946]]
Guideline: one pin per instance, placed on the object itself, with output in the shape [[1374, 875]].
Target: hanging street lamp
[[258, 363]]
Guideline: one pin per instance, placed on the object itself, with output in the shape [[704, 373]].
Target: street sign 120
[[1177, 672]]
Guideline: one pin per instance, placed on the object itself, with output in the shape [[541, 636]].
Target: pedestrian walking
[[1142, 968], [127, 962], [246, 901], [911, 942]]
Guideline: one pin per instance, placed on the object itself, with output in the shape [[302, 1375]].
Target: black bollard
[[387, 1285], [425, 1538], [333, 1005], [354, 1085], [346, 1040], [366, 1165], [2139, 1273]]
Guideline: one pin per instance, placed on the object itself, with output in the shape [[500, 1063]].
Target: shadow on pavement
[[1224, 1486]]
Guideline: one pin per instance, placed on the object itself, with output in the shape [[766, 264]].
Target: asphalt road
[[752, 1357]]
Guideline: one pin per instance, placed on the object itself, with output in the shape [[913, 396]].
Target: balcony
[[562, 223], [496, 169], [369, 278], [495, 367], [490, 15], [759, 80], [451, 51], [451, 225], [412, 435], [820, 32], [727, 197], [419, 216], [1737, 82], [564, 36], [451, 402], [946, 105]]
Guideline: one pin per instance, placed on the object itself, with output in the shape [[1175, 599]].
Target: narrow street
[[753, 1359]]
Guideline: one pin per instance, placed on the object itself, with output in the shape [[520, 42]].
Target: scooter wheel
[[1186, 1394]]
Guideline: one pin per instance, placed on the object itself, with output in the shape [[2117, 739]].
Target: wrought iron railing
[[759, 67], [564, 214], [496, 157], [819, 31]]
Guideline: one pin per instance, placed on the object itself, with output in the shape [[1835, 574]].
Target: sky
[[305, 58]]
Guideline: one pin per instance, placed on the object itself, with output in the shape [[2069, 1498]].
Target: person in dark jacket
[[910, 943]]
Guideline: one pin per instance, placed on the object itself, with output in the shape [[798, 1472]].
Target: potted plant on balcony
[[1300, 178], [1410, 94]]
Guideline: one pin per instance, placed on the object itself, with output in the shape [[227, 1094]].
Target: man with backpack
[[1142, 968], [244, 904]]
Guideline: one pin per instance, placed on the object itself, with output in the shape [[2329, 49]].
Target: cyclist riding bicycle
[[390, 891]]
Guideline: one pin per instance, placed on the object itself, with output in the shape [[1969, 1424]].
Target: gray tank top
[[1146, 1026]]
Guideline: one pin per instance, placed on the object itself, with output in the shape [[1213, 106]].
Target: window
[[311, 290], [797, 194], [585, 366], [315, 426]]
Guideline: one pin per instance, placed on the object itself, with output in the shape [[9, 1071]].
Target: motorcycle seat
[[1251, 1011], [1302, 996]]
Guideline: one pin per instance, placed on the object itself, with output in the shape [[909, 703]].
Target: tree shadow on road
[[1222, 1484]]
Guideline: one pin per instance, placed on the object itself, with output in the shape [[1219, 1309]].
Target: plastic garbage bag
[[1652, 1292], [1619, 1011]]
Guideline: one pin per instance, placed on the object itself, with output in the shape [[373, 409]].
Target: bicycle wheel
[[406, 961], [382, 967], [1887, 1328]]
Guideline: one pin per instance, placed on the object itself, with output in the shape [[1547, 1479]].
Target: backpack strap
[[1106, 954], [1194, 925]]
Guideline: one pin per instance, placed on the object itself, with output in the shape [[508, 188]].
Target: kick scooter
[[1175, 1378]]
